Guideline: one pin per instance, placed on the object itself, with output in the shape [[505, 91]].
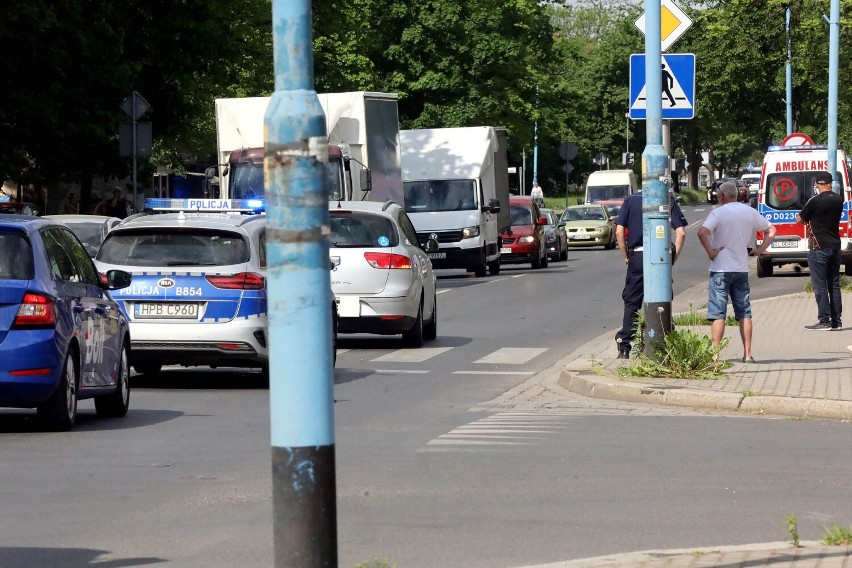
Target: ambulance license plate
[[785, 244]]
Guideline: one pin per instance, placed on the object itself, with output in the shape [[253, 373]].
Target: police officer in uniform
[[628, 234]]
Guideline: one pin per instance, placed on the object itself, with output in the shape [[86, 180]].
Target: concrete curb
[[582, 380], [809, 553]]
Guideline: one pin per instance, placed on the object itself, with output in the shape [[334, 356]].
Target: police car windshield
[[173, 247]]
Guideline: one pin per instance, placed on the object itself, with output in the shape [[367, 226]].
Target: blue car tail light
[[35, 311]]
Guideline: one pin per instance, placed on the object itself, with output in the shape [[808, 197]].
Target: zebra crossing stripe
[[511, 356], [412, 355]]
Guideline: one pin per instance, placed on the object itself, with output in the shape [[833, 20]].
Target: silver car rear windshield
[[356, 229], [16, 257], [174, 247]]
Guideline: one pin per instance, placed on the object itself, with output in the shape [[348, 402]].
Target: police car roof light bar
[[161, 205]]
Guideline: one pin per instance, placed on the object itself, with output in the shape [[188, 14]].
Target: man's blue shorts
[[728, 284]]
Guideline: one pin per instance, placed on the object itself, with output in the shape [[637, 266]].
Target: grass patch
[[684, 354], [748, 392], [694, 318], [837, 535], [845, 285]]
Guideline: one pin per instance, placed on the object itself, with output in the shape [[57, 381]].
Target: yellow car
[[588, 225]]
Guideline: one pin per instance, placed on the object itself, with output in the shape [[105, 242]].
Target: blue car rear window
[[16, 257]]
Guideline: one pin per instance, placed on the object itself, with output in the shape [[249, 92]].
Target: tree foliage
[[558, 70]]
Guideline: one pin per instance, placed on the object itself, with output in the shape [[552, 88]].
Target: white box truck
[[456, 184], [363, 146]]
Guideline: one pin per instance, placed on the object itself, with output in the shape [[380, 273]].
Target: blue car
[[62, 337]]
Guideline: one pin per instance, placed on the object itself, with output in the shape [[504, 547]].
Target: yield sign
[[673, 23]]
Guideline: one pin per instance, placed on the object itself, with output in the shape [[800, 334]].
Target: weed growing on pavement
[[837, 535], [749, 392], [684, 354], [793, 529], [845, 285], [695, 318]]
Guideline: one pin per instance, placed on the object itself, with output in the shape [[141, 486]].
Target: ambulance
[[786, 184]]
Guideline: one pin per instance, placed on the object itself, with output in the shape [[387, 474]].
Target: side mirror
[[366, 178], [116, 279], [542, 220], [493, 206]]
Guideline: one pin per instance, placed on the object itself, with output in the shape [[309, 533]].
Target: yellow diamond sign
[[673, 23]]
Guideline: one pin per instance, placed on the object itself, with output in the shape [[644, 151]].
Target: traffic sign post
[[135, 106]]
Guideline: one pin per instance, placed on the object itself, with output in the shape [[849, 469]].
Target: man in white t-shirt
[[727, 235], [537, 194]]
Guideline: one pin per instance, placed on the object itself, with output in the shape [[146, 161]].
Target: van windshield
[[440, 195], [791, 190], [595, 193]]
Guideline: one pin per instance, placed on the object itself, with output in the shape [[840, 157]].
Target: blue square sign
[[678, 75]]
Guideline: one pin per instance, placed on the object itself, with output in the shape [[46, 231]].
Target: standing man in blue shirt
[[628, 234]]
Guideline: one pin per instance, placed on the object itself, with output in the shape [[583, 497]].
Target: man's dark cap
[[823, 177]]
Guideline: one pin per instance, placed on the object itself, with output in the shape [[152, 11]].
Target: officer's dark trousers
[[633, 295]]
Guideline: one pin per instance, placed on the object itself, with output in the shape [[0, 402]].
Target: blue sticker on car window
[[384, 241]]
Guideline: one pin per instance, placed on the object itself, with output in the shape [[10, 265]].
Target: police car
[[198, 296]]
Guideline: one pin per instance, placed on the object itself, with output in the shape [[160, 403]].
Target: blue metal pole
[[833, 57], [299, 295], [535, 141], [789, 76], [656, 228]]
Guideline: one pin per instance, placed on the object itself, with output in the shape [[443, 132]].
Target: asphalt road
[[428, 474]]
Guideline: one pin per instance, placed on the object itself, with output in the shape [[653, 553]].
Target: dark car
[[524, 241], [742, 188], [555, 236], [62, 336]]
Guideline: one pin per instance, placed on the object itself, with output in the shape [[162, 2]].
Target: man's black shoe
[[819, 327]]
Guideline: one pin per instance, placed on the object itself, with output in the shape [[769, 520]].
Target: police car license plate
[[505, 250], [165, 310], [434, 255], [784, 244]]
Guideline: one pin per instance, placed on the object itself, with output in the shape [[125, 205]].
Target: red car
[[524, 241]]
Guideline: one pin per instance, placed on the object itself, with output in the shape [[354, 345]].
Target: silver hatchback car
[[382, 277]]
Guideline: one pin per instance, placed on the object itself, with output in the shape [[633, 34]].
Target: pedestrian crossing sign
[[678, 77]]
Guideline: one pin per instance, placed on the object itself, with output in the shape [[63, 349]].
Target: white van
[[610, 185]]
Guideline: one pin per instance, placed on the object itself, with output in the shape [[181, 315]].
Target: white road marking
[[512, 355], [492, 430], [493, 372], [400, 372], [412, 355]]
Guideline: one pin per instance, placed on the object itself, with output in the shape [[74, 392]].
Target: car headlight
[[527, 239], [469, 232]]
